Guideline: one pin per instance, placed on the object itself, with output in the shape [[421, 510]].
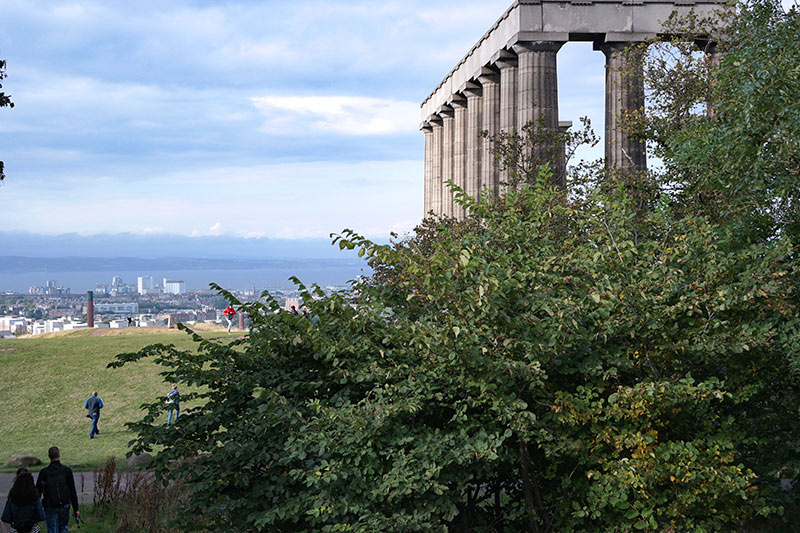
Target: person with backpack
[[57, 487], [93, 404], [23, 508]]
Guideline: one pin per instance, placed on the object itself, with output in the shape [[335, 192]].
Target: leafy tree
[[559, 361], [5, 100], [730, 136], [525, 154]]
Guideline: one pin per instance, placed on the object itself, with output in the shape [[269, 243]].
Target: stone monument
[[509, 78]]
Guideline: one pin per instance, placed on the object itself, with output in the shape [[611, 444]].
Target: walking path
[[84, 484]]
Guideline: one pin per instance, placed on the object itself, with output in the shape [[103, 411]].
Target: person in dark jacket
[[93, 404], [23, 508], [57, 487], [174, 404]]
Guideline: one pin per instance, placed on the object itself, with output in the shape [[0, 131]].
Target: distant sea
[[197, 274]]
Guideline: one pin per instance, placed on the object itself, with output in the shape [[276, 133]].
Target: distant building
[[101, 289], [53, 325], [51, 288], [119, 308], [17, 325], [145, 284], [174, 287], [123, 289], [207, 315]]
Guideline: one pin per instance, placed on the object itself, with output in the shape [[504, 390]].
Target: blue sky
[[276, 119], [235, 118]]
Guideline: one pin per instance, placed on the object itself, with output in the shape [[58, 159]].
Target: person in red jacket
[[229, 313]]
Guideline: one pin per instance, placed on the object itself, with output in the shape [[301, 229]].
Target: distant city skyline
[[243, 276], [232, 118]]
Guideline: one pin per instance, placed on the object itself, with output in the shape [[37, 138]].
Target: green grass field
[[46, 379]]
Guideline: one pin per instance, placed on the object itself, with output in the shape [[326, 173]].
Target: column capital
[[538, 46], [706, 46], [489, 77], [505, 59], [471, 89], [457, 101], [445, 112], [426, 128], [610, 47]]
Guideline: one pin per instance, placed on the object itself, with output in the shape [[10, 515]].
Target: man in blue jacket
[[93, 404]]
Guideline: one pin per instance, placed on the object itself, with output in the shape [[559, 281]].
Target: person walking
[[23, 508], [57, 487], [93, 404], [173, 404], [229, 313]]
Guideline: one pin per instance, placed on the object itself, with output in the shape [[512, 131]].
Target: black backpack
[[25, 518], [56, 491]]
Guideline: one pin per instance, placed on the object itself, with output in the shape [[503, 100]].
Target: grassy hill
[[46, 379]]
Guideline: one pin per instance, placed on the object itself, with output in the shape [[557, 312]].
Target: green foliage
[[536, 150], [559, 361], [542, 357], [742, 163]]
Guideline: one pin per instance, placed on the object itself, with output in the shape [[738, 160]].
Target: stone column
[[448, 117], [508, 104], [560, 171], [436, 164], [472, 185], [427, 129], [459, 150], [490, 122], [538, 83], [624, 94], [714, 56], [537, 99]]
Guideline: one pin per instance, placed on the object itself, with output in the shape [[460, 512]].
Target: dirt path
[[84, 484]]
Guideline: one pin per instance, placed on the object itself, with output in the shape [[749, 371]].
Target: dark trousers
[[94, 431]]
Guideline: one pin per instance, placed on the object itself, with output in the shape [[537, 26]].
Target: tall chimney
[[90, 309]]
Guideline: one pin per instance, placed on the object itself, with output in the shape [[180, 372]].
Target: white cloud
[[348, 115], [213, 231]]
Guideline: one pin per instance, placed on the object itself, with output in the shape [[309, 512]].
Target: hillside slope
[[46, 379]]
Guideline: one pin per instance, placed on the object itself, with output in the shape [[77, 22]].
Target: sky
[[237, 119]]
